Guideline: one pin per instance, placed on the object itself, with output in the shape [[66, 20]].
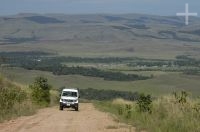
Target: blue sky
[[157, 7]]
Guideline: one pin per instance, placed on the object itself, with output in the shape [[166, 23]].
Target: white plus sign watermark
[[186, 14]]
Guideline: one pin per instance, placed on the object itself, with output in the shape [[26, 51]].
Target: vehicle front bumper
[[69, 104]]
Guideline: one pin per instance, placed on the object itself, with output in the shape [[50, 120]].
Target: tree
[[40, 91]]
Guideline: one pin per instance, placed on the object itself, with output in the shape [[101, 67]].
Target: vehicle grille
[[68, 100]]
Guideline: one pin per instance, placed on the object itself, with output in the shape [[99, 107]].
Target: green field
[[162, 83]]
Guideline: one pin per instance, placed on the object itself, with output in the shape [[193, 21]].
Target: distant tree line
[[59, 69], [94, 72], [151, 63], [192, 72], [95, 94], [40, 61], [34, 56], [181, 61], [50, 62]]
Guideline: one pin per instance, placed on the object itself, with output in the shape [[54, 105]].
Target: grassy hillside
[[14, 100]]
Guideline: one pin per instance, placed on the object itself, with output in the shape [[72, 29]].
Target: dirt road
[[88, 119]]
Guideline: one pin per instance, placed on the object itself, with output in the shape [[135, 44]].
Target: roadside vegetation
[[14, 101], [40, 91], [18, 100], [171, 113]]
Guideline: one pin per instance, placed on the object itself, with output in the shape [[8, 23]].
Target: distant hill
[[43, 19], [34, 27], [138, 35]]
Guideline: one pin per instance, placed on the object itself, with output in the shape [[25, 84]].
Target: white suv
[[69, 98]]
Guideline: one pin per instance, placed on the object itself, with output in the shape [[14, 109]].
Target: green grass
[[167, 115], [161, 84]]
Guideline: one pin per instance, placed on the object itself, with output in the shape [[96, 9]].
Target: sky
[[155, 7]]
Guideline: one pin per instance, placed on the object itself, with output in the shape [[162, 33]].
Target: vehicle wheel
[[61, 107], [76, 108]]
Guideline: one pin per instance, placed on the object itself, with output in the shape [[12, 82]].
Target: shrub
[[144, 103], [40, 91]]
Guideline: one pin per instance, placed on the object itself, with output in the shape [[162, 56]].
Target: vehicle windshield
[[69, 94]]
